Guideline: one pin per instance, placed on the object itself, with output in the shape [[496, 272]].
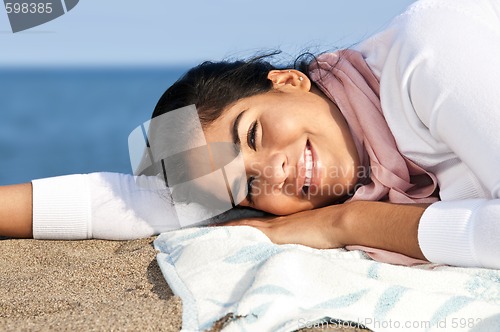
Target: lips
[[305, 170], [309, 165]]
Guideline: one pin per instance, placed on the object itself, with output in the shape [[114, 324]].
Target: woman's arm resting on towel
[[387, 226], [16, 211]]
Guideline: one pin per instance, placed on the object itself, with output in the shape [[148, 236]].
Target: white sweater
[[439, 69]]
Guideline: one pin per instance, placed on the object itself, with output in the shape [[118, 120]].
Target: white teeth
[[309, 166]]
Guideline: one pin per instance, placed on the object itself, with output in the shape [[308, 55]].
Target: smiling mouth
[[308, 162]]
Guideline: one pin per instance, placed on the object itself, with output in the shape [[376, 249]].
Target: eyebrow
[[234, 131]]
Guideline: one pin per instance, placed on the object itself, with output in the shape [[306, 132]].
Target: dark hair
[[213, 86]]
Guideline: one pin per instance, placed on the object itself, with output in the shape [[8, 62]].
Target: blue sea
[[65, 121]]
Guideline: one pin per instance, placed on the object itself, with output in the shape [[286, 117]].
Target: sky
[[67, 131], [184, 32]]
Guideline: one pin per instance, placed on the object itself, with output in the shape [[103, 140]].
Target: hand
[[312, 228]]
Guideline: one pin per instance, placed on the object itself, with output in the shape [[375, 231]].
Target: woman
[[406, 118]]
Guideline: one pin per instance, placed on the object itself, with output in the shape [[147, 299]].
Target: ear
[[289, 78]]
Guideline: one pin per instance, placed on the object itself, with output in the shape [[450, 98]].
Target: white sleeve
[[454, 89], [100, 205], [462, 233]]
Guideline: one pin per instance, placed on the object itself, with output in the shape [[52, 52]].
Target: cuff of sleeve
[[61, 208], [445, 232]]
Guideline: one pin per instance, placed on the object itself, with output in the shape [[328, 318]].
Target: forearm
[[16, 211], [392, 227]]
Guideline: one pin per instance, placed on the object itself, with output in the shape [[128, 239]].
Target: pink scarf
[[346, 79]]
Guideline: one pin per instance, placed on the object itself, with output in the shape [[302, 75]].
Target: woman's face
[[298, 151]]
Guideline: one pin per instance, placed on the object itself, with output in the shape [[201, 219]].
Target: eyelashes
[[251, 141], [250, 190], [251, 135]]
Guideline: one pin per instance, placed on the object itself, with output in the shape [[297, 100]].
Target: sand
[[84, 285], [89, 285]]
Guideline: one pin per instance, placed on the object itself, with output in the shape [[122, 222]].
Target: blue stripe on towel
[[341, 301], [373, 270], [198, 233], [254, 253], [271, 290], [223, 304], [388, 300], [450, 306], [485, 285]]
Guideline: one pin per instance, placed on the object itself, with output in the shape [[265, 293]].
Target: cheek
[[282, 128]]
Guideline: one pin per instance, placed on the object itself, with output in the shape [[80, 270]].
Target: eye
[[250, 190], [251, 135]]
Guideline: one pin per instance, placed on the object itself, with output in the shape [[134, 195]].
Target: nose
[[273, 169]]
